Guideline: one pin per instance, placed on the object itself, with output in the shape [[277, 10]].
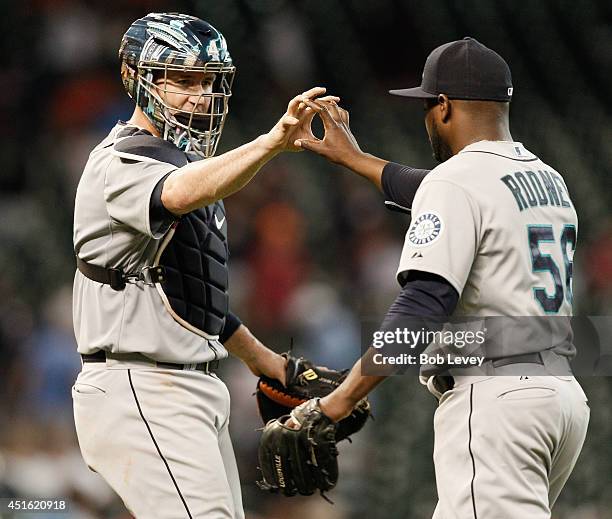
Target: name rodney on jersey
[[541, 188]]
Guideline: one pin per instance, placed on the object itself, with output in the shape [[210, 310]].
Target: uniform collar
[[509, 149]]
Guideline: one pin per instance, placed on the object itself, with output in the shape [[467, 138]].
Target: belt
[[439, 384], [527, 358], [102, 356]]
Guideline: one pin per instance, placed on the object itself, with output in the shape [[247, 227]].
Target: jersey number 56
[[541, 262]]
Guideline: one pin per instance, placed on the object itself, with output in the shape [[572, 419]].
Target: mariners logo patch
[[425, 229]]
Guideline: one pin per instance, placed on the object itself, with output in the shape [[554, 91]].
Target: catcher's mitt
[[299, 461], [306, 381]]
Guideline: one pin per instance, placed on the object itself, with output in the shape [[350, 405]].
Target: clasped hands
[[294, 130]]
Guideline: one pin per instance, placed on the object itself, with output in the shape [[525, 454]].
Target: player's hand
[[332, 406], [295, 124], [338, 144], [275, 367], [335, 407]]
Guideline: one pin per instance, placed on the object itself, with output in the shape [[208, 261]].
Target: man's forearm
[[203, 182], [339, 404], [259, 359], [357, 386], [367, 166]]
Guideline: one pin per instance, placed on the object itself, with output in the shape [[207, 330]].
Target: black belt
[[206, 367], [527, 358], [115, 277], [446, 382]]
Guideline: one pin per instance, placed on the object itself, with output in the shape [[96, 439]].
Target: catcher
[[302, 458]]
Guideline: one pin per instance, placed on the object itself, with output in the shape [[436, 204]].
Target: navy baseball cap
[[463, 69]]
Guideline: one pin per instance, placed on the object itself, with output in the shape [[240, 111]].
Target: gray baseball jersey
[[157, 433], [112, 228], [499, 225]]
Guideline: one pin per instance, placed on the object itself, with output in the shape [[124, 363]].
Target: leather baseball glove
[[305, 381], [300, 460]]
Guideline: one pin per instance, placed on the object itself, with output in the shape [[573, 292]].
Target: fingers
[[307, 117], [334, 111], [344, 114], [314, 105], [313, 92], [297, 103], [337, 112], [329, 99], [289, 120], [307, 144], [323, 109], [292, 424], [293, 105], [326, 99]]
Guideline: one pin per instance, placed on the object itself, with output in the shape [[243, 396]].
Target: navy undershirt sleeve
[[159, 217], [232, 322], [400, 184], [423, 295], [425, 303]]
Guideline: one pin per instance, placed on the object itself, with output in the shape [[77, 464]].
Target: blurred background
[[313, 249]]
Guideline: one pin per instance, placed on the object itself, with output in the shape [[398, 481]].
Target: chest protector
[[194, 252]]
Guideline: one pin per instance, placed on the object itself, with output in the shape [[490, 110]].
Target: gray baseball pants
[[160, 439], [505, 445]]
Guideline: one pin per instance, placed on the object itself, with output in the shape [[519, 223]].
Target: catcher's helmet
[[162, 42]]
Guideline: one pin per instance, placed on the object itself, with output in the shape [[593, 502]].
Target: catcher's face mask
[[188, 106]]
